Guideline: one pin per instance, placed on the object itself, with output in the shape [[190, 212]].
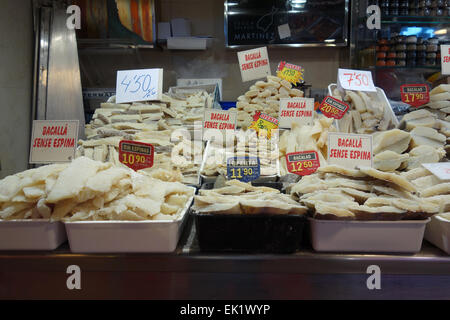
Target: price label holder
[[445, 59], [254, 64], [244, 169], [290, 72], [358, 80], [136, 155], [333, 108], [298, 110], [263, 124], [139, 85], [302, 163], [415, 95], [53, 141], [441, 169], [350, 150]]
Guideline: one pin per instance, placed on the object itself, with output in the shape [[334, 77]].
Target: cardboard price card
[[350, 150], [355, 80], [333, 108], [290, 72], [254, 64], [139, 85], [302, 163], [445, 59], [298, 110], [244, 169], [263, 124], [217, 122], [440, 169], [415, 95], [136, 155], [53, 141]]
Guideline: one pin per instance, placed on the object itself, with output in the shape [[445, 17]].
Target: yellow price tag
[[263, 124], [290, 72]]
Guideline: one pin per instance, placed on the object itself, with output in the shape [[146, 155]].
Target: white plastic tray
[[388, 112], [438, 233], [126, 236], [367, 236], [31, 234]]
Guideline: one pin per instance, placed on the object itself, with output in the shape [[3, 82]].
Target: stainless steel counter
[[191, 274]]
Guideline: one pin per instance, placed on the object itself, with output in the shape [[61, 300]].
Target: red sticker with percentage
[[333, 108], [136, 155], [302, 163], [415, 95]]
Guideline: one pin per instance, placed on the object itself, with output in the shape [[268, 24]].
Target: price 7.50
[[239, 171], [360, 79], [139, 83]]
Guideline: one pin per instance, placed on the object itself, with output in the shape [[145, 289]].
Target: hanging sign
[[136, 155], [53, 141], [415, 95], [254, 64], [302, 163], [298, 110], [333, 108], [139, 85], [350, 150], [244, 169], [358, 80], [290, 72]]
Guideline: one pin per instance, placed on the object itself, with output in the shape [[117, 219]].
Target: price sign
[[350, 150], [440, 169], [298, 110], [415, 95], [136, 155], [53, 141], [355, 80], [290, 72], [245, 169], [263, 124], [254, 64], [217, 122], [139, 85], [302, 163], [445, 59], [333, 108]]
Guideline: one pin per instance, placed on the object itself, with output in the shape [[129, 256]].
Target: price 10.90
[[130, 158]]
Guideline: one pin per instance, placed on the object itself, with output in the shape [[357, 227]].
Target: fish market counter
[[191, 274]]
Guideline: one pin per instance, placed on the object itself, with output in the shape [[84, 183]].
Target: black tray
[[259, 233]]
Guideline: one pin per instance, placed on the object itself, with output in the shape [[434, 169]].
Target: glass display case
[[406, 49]]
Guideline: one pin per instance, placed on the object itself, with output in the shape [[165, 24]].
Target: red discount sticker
[[136, 155], [333, 108], [415, 95], [302, 163]]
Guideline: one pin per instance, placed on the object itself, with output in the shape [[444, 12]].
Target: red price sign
[[333, 108], [415, 95], [302, 163], [356, 80], [136, 155]]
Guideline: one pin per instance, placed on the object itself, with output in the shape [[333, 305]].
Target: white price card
[[350, 150], [254, 64], [53, 141], [284, 31], [358, 80], [218, 122], [298, 110], [445, 59], [139, 85], [440, 169]]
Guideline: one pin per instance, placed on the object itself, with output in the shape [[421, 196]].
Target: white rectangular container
[[367, 236], [31, 234], [381, 96], [438, 233], [126, 236]]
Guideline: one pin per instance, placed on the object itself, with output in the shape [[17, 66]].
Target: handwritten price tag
[[245, 169], [440, 169], [136, 155], [333, 108], [302, 163], [355, 80], [139, 85], [290, 72], [415, 95]]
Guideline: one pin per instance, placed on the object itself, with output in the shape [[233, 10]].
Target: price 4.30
[[299, 166], [237, 173]]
